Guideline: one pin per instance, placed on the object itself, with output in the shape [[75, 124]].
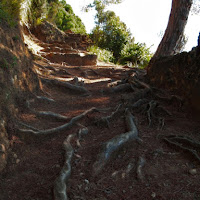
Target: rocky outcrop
[[180, 74]]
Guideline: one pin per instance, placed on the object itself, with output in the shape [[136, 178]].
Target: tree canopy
[[113, 35]]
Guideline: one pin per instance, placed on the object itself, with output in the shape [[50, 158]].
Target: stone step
[[59, 50], [71, 59]]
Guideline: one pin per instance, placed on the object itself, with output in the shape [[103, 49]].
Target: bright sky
[[145, 18]]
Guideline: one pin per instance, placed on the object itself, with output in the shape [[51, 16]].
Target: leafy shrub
[[111, 33], [57, 12], [38, 11], [102, 54], [65, 19], [136, 53]]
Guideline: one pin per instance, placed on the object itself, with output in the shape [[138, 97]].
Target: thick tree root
[[60, 184], [46, 114], [116, 143], [185, 143], [50, 116], [61, 128], [73, 88]]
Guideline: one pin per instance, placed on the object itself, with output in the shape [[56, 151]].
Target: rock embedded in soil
[[193, 171]]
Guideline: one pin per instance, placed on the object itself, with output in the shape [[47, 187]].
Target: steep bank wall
[[180, 74], [17, 81]]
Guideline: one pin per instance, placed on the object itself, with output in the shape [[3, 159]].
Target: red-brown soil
[[169, 172]]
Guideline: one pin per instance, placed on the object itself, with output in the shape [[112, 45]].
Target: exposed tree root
[[83, 131], [74, 88], [140, 94], [46, 114], [150, 112], [44, 99], [116, 143], [60, 184], [138, 103], [106, 120], [27, 126], [150, 109], [185, 143], [122, 88], [61, 128], [50, 115], [140, 165], [173, 98]]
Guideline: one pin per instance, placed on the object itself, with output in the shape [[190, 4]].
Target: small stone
[[86, 181], [17, 161], [124, 191], [2, 148], [153, 195], [15, 155], [193, 171]]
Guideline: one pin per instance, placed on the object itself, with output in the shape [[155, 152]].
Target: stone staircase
[[62, 48]]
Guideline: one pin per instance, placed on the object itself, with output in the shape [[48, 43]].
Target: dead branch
[[66, 85], [116, 143], [61, 128], [60, 184]]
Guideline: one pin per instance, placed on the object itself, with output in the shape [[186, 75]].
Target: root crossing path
[[101, 133]]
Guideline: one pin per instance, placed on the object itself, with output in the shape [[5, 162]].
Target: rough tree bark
[[175, 28]]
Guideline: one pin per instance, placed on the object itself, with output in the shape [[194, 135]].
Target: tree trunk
[[175, 28]]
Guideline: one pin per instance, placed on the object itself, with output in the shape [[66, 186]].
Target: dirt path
[[166, 173]]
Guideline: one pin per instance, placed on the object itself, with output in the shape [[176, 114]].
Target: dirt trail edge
[[101, 133]]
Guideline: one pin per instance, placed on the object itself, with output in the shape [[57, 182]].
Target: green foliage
[[5, 64], [57, 12], [102, 54], [38, 11], [65, 19], [110, 33], [9, 11], [135, 53]]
